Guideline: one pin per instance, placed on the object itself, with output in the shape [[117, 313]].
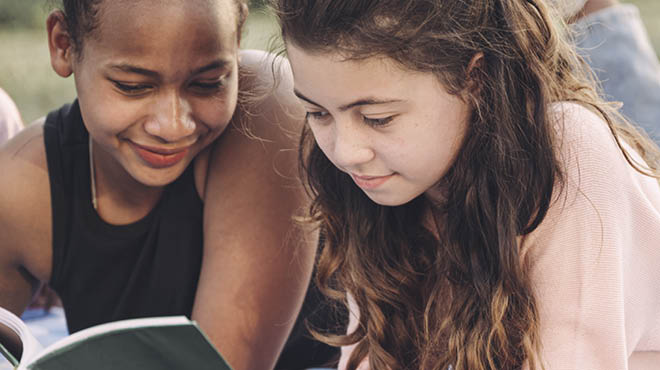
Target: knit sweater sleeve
[[594, 259], [353, 321]]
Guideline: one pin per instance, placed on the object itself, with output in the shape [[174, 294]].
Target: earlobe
[[60, 44]]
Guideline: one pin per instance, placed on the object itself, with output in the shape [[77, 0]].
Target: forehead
[[355, 77], [138, 26]]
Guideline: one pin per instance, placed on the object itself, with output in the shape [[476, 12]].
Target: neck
[[120, 198]]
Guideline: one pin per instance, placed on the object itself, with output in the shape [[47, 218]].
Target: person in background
[[167, 187], [613, 40], [482, 207], [10, 119]]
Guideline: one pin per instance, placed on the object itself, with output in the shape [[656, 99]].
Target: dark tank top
[[106, 272]]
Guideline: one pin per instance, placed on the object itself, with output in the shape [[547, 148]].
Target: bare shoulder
[[259, 147], [253, 169], [25, 219], [267, 99]]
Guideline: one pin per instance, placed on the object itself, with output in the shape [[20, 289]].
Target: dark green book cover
[[141, 348], [139, 344]]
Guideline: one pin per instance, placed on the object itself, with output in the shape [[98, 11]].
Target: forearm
[[251, 323], [252, 285], [257, 261]]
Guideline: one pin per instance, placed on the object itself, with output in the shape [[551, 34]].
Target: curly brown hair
[[453, 292]]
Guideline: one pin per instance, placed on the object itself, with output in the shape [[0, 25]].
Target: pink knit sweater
[[595, 259]]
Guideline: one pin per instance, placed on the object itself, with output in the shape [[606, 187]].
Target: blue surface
[[47, 327]]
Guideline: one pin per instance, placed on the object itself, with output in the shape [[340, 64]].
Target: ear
[[474, 71], [60, 44], [243, 12]]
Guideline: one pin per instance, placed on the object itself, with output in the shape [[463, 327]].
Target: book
[[169, 342]]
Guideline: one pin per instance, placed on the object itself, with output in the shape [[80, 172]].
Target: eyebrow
[[128, 68], [134, 69], [343, 108], [217, 64]]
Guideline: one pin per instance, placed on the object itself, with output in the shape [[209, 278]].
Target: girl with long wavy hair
[[481, 207]]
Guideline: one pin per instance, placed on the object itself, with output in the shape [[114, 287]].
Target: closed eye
[[317, 116], [208, 86], [377, 122], [131, 89]]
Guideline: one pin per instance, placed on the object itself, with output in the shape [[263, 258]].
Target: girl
[[145, 197], [482, 209]]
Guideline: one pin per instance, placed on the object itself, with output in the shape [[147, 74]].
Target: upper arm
[[592, 258], [24, 218], [257, 261]]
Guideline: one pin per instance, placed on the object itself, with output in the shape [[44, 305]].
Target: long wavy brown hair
[[452, 292]]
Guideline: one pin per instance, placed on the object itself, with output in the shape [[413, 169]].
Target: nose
[[171, 120], [352, 146]]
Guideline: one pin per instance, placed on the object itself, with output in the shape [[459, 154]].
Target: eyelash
[[131, 89], [141, 88], [378, 122], [373, 122], [315, 116], [209, 86]]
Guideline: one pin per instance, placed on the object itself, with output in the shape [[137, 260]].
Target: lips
[[370, 182], [160, 157]]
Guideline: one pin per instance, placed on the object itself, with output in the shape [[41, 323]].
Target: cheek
[[422, 151], [215, 113], [443, 149], [324, 139], [107, 117], [104, 111]]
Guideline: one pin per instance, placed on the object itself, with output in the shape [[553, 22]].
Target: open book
[[172, 342]]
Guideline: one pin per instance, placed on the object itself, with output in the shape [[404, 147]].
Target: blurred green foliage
[[22, 13]]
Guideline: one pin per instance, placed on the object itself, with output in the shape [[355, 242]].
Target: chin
[[159, 177], [389, 200]]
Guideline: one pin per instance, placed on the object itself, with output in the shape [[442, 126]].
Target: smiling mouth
[[370, 182], [160, 157]]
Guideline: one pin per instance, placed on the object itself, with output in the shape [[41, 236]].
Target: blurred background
[[26, 75]]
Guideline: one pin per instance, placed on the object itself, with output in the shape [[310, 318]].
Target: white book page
[[31, 346]]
